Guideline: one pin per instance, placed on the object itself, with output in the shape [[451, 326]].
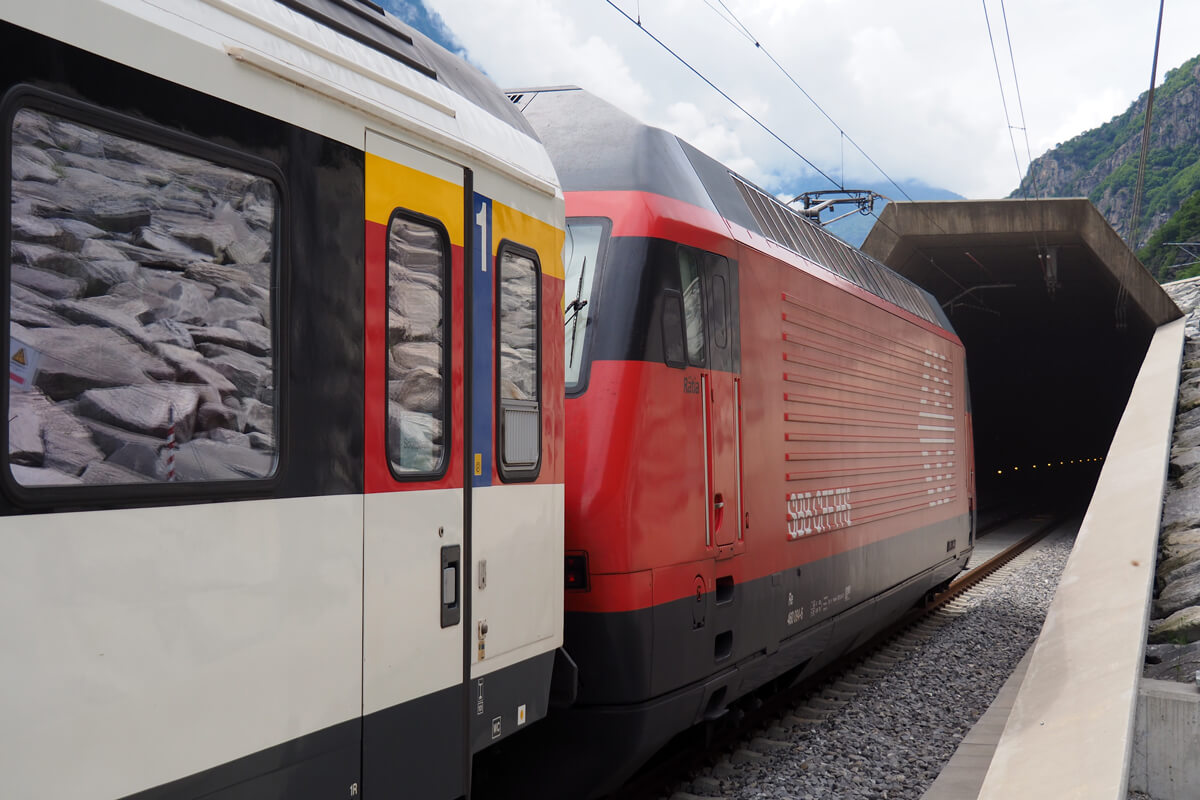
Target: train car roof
[[597, 147], [369, 24]]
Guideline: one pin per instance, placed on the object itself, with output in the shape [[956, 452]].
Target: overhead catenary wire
[[1020, 105], [1003, 101], [730, 18], [723, 93], [1141, 174]]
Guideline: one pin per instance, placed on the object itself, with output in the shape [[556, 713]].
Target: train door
[[720, 389], [515, 401], [415, 543]]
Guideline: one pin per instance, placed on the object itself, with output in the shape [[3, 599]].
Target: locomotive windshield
[[581, 257]]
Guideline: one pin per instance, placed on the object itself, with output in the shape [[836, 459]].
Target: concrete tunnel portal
[[1056, 314]]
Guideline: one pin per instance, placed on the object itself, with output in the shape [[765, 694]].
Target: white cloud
[[913, 83]]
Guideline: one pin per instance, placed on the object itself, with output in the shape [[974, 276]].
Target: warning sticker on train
[[23, 363]]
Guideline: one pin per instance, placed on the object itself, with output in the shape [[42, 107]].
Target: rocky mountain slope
[[1102, 163]]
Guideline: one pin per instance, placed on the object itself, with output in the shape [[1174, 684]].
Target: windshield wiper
[[574, 307]]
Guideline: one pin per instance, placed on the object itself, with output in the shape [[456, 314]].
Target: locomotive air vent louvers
[[785, 227]]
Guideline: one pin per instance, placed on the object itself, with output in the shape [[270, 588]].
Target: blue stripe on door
[[483, 293]]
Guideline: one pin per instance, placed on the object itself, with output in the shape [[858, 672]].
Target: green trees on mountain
[[1160, 257], [1102, 165]]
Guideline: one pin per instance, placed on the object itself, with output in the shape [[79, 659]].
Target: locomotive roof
[[368, 24], [597, 147]]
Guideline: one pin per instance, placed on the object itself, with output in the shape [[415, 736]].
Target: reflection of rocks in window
[[520, 412], [518, 327], [416, 334], [140, 282]]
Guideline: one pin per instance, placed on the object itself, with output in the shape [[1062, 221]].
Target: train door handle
[[718, 504], [451, 568]]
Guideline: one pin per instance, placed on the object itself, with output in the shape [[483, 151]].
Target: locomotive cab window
[[582, 251], [417, 354], [141, 304], [518, 342]]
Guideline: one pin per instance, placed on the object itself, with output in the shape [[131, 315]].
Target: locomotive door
[[720, 387], [415, 542]]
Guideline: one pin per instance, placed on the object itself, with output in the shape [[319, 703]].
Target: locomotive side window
[[719, 315], [418, 392], [693, 304], [581, 255], [519, 345], [674, 352], [141, 310]]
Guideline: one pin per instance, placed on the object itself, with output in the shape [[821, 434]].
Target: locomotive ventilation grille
[[785, 227]]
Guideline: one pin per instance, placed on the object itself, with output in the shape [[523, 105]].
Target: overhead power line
[[1141, 175], [1000, 80], [722, 92], [732, 20], [1020, 105]]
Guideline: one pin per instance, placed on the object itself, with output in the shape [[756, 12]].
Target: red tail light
[[575, 574]]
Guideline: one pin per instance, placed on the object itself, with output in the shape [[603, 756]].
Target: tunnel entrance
[[1056, 314]]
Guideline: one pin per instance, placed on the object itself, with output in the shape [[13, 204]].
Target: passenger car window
[[519, 342], [417, 359], [141, 326]]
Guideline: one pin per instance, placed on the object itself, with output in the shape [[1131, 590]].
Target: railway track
[[764, 723]]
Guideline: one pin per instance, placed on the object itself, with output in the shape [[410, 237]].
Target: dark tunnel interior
[[1054, 343], [1049, 373]]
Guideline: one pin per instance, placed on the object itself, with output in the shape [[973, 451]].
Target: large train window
[[141, 304], [418, 356], [518, 340], [582, 252], [693, 304]]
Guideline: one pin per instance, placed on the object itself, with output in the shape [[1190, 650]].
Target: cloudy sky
[[912, 82]]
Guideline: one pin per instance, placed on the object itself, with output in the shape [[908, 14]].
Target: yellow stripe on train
[[547, 240], [391, 186]]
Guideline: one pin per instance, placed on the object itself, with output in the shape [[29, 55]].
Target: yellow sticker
[[19, 356], [479, 463]]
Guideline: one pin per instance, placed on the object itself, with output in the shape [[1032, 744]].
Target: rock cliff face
[[1102, 164]]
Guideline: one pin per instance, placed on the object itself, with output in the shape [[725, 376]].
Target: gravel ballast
[[893, 738]]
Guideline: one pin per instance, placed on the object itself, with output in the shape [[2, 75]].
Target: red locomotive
[[768, 432]]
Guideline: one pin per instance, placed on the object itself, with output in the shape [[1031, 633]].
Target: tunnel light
[[1015, 469], [1047, 464], [1035, 466], [999, 472]]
